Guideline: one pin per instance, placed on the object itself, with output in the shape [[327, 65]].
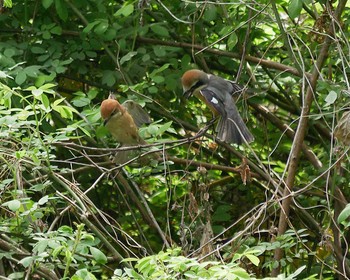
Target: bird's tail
[[232, 129]]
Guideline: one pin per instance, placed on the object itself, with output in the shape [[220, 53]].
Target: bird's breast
[[123, 129]]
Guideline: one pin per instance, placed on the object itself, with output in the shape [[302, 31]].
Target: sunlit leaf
[[294, 8], [254, 259], [331, 97], [344, 214], [98, 255], [43, 200], [13, 205], [125, 10], [26, 261]]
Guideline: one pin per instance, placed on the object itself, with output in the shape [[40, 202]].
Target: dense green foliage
[[278, 206]]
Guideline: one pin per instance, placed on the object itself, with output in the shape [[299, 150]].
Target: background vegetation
[[278, 206]]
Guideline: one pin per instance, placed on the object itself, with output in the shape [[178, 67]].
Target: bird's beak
[[187, 93], [111, 95]]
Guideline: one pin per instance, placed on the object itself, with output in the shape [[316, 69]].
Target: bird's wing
[[139, 115], [214, 99]]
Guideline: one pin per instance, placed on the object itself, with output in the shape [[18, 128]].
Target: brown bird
[[342, 130], [217, 93], [122, 121]]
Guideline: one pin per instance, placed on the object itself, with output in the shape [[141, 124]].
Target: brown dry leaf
[[245, 171], [193, 206]]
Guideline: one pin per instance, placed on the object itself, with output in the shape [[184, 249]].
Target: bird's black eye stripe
[[113, 112], [196, 85]]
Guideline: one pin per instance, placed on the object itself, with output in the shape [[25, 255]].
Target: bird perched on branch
[[123, 121], [342, 130], [217, 93]]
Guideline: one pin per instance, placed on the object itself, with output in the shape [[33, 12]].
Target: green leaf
[[7, 4], [47, 3], [83, 274], [223, 217], [66, 229], [110, 34], [254, 259], [241, 273], [60, 69], [159, 70], [65, 111], [37, 92], [210, 13], [296, 273], [58, 101], [37, 50], [43, 200], [61, 9], [92, 93], [46, 35], [57, 251], [109, 78], [47, 88], [80, 101], [153, 89], [159, 51], [26, 262], [294, 8], [125, 10], [98, 255], [45, 101], [16, 275], [91, 25], [43, 57], [101, 27], [41, 246], [13, 205], [127, 57], [57, 30], [158, 79], [160, 30], [232, 41], [185, 61], [66, 62], [40, 80], [9, 52], [20, 78], [344, 214], [331, 97], [33, 70], [91, 54], [164, 127], [68, 255]]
